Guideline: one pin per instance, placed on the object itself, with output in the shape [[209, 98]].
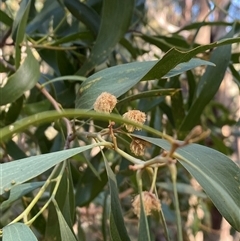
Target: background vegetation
[[176, 61]]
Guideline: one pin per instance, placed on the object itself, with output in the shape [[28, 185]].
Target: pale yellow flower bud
[[138, 146], [105, 103], [150, 202], [136, 116]]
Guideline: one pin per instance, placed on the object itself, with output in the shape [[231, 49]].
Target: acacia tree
[[133, 155]]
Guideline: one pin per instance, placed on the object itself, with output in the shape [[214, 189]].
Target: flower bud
[[136, 116], [138, 146], [105, 103], [150, 202]]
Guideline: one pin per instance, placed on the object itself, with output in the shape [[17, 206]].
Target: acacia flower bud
[[150, 202], [137, 146], [136, 116], [105, 103]]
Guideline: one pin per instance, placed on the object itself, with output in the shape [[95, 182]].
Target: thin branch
[[7, 65], [56, 106]]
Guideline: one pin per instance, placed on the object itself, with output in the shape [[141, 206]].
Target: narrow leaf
[[208, 86], [19, 26], [118, 12], [19, 191], [117, 226], [144, 234], [24, 79], [84, 13], [5, 18], [23, 170], [118, 80], [66, 233], [18, 232]]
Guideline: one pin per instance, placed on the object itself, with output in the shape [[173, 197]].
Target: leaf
[[118, 80], [66, 233], [216, 173], [50, 9], [207, 86], [18, 232], [236, 75], [18, 29], [147, 94], [117, 227], [118, 12], [5, 18], [183, 67], [14, 150], [19, 191], [23, 170], [144, 234], [84, 13], [24, 79]]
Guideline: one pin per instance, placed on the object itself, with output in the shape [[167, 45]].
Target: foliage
[[59, 155]]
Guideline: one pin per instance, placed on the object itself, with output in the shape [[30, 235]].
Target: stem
[[36, 198], [173, 171], [154, 179], [56, 106], [50, 47], [129, 157], [162, 218], [58, 179]]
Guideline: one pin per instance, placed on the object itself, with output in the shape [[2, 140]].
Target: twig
[[7, 65], [56, 106]]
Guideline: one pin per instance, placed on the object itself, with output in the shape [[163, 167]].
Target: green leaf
[[66, 233], [14, 111], [5, 18], [19, 191], [84, 13], [14, 150], [117, 227], [144, 234], [183, 67], [147, 94], [216, 173], [236, 75], [50, 9], [118, 12], [23, 170], [207, 86], [19, 26], [24, 79], [165, 43], [18, 232], [118, 80]]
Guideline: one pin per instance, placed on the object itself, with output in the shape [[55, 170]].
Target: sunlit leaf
[[28, 73], [66, 233], [17, 172], [119, 79], [18, 191], [18, 232]]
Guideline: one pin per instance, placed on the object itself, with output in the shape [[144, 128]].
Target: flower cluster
[[105, 103], [136, 116], [150, 202], [138, 146]]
